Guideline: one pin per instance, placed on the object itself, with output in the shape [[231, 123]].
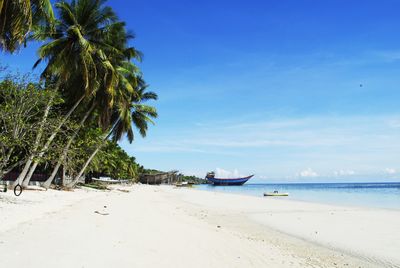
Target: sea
[[384, 195]]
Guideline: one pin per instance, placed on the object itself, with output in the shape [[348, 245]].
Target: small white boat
[[276, 193], [109, 180], [183, 184]]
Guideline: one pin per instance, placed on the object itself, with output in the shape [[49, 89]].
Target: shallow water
[[375, 195]]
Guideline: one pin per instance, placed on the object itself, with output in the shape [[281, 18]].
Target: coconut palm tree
[[130, 112], [18, 18], [79, 56], [119, 56], [134, 112]]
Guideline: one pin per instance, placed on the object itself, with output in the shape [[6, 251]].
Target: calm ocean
[[375, 195]]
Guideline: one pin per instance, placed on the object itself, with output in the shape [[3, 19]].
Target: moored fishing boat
[[276, 193], [226, 181]]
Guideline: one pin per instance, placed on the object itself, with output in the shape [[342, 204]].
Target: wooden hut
[[159, 178]]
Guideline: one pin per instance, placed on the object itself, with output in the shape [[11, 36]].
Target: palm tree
[[131, 111], [18, 18], [79, 56], [134, 111], [119, 57]]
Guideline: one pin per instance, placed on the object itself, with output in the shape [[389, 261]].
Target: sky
[[294, 90]]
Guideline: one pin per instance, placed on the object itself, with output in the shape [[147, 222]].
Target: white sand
[[169, 227]]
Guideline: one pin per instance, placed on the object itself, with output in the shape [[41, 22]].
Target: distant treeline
[[180, 177], [192, 179]]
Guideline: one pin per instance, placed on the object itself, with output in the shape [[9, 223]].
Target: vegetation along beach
[[199, 134]]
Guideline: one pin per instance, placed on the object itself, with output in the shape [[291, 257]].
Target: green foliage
[[89, 63], [80, 149], [18, 18], [22, 105], [113, 161], [192, 179]]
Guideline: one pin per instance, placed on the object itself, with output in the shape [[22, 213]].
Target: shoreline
[[306, 202], [189, 227], [378, 224], [328, 202]]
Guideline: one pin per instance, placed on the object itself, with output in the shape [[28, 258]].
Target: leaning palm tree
[[134, 112], [77, 58], [119, 57], [130, 112], [19, 17]]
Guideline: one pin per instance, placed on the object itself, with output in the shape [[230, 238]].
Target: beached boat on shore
[[109, 180], [183, 184], [226, 181]]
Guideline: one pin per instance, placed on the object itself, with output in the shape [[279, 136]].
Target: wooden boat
[[276, 193], [226, 182], [183, 184]]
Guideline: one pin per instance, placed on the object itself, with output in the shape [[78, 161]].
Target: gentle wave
[[375, 195]]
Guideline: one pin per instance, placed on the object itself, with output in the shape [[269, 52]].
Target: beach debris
[[18, 190], [218, 226], [123, 190], [102, 213]]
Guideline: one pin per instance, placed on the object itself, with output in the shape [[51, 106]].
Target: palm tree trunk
[[36, 144], [62, 176], [49, 141], [64, 154], [76, 179]]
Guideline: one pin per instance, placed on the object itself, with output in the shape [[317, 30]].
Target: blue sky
[[295, 90]]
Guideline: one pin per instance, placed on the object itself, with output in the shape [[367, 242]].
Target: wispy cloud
[[334, 146], [390, 171], [307, 173], [223, 173], [344, 173]]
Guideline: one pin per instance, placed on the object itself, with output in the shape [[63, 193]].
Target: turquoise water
[[375, 195]]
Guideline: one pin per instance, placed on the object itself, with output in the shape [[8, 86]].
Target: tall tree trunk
[[64, 154], [48, 182], [36, 144], [62, 183], [76, 179], [23, 172], [5, 162], [49, 141]]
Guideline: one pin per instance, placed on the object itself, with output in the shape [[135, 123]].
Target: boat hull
[[229, 182], [276, 194]]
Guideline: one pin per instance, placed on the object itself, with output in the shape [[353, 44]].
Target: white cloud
[[222, 173], [344, 172], [308, 173], [394, 123], [335, 146], [390, 171]]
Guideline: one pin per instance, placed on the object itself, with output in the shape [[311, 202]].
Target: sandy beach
[[162, 226]]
